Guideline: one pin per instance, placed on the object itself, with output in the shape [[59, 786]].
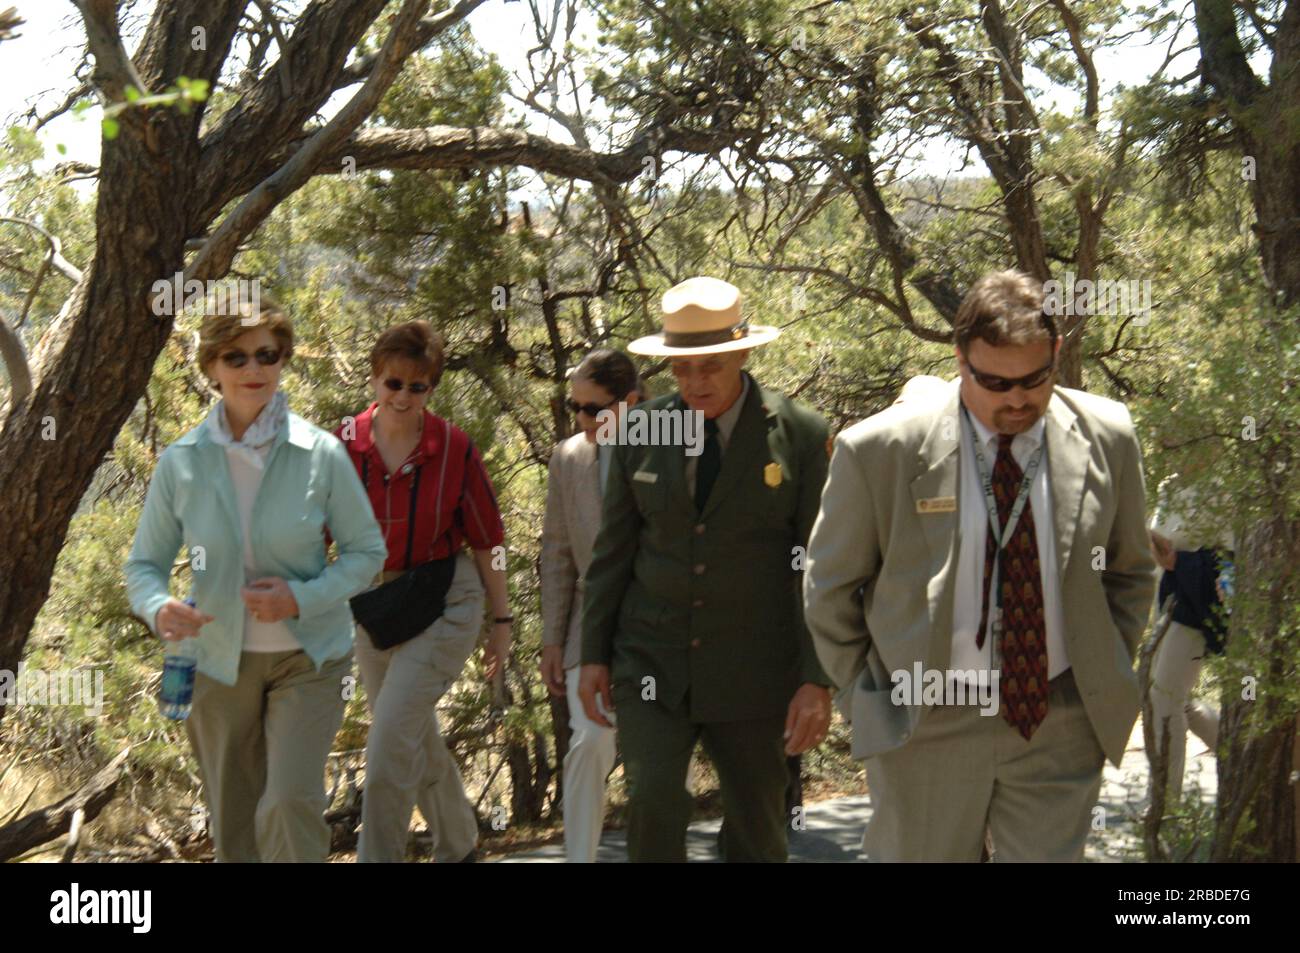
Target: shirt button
[[699, 569], [699, 529], [695, 643]]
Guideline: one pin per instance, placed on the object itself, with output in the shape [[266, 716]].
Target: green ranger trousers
[[749, 757]]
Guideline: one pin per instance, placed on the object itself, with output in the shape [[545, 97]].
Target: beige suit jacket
[[879, 587], [572, 519]]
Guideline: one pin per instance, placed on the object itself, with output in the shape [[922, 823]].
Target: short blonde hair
[[1001, 308], [223, 325]]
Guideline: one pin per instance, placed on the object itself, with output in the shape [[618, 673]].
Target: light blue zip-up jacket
[[309, 484]]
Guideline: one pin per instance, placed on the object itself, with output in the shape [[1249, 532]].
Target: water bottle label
[[178, 681]]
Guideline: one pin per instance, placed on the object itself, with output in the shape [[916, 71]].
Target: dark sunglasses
[[415, 387], [266, 356], [1003, 384], [591, 410]]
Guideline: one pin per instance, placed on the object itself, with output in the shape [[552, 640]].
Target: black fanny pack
[[402, 608]]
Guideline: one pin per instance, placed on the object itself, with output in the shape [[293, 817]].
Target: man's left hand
[[807, 719]]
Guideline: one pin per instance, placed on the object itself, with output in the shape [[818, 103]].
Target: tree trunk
[[91, 370], [1256, 816]]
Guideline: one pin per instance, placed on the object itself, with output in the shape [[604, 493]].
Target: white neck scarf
[[259, 434]]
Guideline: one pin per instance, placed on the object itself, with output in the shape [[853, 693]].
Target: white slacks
[[586, 766], [1174, 673]]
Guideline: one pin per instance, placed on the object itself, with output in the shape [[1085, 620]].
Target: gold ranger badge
[[772, 474]]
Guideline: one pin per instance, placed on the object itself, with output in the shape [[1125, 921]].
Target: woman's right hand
[[176, 621]]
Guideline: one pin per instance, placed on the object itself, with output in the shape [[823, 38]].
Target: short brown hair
[[1001, 308], [415, 341], [232, 318]]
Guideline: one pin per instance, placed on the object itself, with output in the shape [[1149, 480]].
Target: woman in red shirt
[[433, 499]]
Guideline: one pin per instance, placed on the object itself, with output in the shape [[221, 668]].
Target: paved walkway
[[833, 828]]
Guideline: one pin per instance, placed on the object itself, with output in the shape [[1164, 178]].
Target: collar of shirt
[[428, 448], [1022, 446], [727, 419]]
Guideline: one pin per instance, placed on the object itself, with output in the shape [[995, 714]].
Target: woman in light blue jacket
[[247, 496]]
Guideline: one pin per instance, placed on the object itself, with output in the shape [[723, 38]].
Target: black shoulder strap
[[411, 513]]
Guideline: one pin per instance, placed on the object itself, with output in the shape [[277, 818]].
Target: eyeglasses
[[266, 356], [415, 387], [1003, 384], [591, 410]]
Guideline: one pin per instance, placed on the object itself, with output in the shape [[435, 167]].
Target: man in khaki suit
[[605, 381], [906, 578]]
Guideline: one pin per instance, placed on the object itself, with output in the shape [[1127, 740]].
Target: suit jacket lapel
[[586, 487], [1068, 452], [747, 445], [940, 457]]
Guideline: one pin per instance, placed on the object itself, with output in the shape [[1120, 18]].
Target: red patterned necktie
[[1023, 644]]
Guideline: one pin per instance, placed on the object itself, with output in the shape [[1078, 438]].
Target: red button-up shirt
[[439, 498]]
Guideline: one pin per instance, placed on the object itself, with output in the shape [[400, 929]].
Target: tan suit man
[[889, 587]]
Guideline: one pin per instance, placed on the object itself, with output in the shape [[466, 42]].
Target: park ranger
[[693, 622]]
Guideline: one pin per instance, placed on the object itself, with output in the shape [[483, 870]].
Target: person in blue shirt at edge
[[248, 494]]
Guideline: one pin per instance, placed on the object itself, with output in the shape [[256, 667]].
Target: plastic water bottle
[[1227, 578], [176, 696]]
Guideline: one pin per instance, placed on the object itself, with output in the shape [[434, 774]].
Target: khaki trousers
[[407, 761], [962, 771], [261, 745], [1173, 677]]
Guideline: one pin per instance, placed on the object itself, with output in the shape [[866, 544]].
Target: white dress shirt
[[972, 512]]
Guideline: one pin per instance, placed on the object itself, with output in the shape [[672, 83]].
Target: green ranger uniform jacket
[[705, 608]]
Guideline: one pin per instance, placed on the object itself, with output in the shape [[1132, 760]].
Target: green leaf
[[63, 150], [111, 127], [132, 94]]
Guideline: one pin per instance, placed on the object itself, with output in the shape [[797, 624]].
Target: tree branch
[[429, 28], [215, 256], [114, 71], [452, 147], [1223, 61]]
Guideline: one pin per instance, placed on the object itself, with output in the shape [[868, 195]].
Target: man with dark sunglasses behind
[[907, 577]]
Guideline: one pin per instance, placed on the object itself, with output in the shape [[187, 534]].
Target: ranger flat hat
[[702, 316]]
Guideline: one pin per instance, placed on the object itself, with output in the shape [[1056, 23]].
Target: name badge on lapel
[[645, 476], [772, 474], [937, 504]]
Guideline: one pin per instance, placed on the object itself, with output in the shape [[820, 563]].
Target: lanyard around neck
[[1000, 533]]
